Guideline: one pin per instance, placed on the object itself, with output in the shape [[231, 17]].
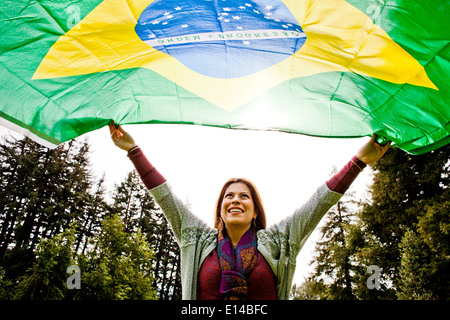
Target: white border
[[12, 126]]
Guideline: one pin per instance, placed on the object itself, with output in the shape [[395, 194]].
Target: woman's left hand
[[372, 151], [120, 137]]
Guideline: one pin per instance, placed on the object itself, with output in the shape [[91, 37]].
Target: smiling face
[[237, 209], [224, 200]]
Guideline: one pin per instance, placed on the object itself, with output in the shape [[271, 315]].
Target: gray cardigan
[[279, 244]]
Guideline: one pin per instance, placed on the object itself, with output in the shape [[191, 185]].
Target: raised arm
[[175, 211], [148, 173], [367, 154], [297, 227]]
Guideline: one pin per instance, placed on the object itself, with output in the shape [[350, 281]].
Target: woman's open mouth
[[235, 211]]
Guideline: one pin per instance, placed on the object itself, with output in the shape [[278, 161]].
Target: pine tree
[[51, 216], [129, 201], [43, 191], [119, 267], [413, 276], [46, 278], [133, 202], [424, 271], [333, 267], [409, 193], [95, 210], [309, 290], [6, 286]]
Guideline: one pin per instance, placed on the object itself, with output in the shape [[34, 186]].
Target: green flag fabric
[[328, 68]]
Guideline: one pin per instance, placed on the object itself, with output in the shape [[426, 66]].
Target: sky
[[197, 161]]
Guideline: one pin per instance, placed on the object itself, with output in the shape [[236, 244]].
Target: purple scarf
[[236, 263]]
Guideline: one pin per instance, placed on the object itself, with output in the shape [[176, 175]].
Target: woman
[[240, 258]]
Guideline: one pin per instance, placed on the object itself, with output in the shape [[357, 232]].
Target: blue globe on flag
[[222, 38]]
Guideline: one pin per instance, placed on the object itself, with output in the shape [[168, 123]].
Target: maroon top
[[261, 282], [148, 173], [342, 180]]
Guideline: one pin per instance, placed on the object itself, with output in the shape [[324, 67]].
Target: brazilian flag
[[328, 68]]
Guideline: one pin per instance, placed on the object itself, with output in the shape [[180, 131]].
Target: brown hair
[[260, 221]]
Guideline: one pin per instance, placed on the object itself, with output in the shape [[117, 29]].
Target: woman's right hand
[[120, 137]]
